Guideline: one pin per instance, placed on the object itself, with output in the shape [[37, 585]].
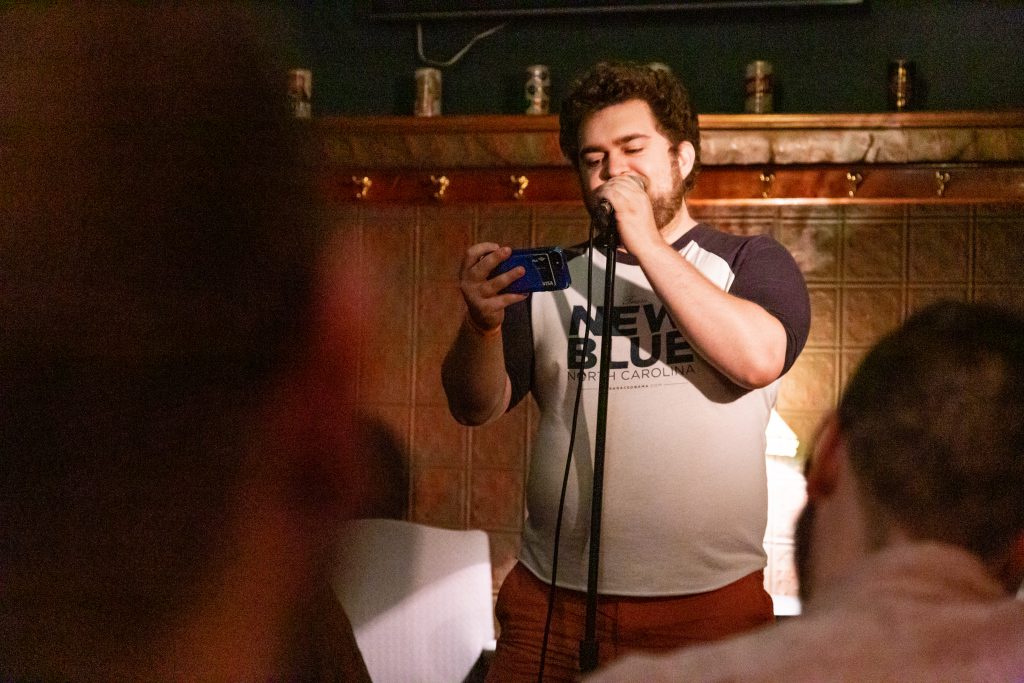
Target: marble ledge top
[[471, 146]]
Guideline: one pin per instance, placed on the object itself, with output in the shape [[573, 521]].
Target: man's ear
[[823, 465], [686, 156]]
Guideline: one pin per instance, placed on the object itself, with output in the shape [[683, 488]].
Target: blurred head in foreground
[[927, 445], [174, 421]]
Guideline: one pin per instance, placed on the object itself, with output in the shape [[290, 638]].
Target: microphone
[[606, 215], [605, 210]]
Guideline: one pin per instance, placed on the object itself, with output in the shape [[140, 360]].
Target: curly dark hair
[[933, 420], [608, 83]]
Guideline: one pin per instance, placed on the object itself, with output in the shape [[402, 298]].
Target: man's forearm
[[474, 378], [742, 340]]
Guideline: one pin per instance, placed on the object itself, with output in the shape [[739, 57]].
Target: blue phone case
[[546, 270]]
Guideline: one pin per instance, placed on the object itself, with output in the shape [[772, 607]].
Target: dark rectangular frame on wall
[[419, 10]]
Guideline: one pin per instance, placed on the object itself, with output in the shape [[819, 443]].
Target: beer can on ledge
[[538, 82], [901, 84], [300, 93], [760, 85], [428, 92]]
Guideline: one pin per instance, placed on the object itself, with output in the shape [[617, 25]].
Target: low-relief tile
[[429, 389], [824, 316], [338, 214], [1011, 297], [441, 309], [439, 496], [741, 220], [390, 321], [439, 316], [999, 211], [385, 374], [919, 297], [393, 417], [502, 444], [814, 246], [388, 249], [873, 251], [445, 234], [560, 225], [496, 499], [387, 330], [343, 263], [810, 383], [883, 213], [870, 312], [438, 440], [939, 252], [806, 214], [999, 251], [931, 213], [504, 225]]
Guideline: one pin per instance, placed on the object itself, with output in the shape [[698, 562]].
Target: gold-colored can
[[901, 84], [428, 92], [300, 93], [538, 83], [759, 85]]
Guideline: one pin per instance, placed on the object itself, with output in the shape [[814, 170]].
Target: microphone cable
[[568, 460]]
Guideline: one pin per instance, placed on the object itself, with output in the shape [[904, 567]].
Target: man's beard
[[802, 550], [666, 206]]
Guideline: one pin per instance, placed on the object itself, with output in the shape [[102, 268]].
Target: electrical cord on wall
[[568, 462], [459, 54]]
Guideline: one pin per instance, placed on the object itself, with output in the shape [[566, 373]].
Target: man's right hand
[[483, 298]]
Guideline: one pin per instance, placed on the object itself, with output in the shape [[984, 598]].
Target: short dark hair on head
[[608, 83], [933, 421]]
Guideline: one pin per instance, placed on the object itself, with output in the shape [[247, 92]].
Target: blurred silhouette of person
[[175, 355], [911, 546], [387, 488]]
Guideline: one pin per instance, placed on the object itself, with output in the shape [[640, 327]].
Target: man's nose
[[616, 166]]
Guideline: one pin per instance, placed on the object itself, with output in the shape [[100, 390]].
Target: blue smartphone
[[546, 270]]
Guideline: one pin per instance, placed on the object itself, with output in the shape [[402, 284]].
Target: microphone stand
[[589, 645]]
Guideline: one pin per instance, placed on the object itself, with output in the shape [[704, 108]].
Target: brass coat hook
[[441, 184], [364, 185], [519, 182], [853, 181], [767, 179], [941, 179]]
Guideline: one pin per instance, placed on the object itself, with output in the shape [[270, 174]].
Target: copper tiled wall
[[867, 267]]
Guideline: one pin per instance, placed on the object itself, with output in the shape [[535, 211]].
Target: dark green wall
[[969, 54]]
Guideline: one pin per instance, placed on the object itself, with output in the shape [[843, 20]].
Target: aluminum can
[[300, 93], [428, 92], [901, 84], [759, 86], [538, 84]]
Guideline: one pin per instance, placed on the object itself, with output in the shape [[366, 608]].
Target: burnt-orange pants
[[623, 624]]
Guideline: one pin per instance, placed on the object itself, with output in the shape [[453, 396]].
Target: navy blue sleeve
[[517, 344], [767, 274]]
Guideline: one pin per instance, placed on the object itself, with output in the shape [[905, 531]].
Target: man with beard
[[912, 543], [705, 324]]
